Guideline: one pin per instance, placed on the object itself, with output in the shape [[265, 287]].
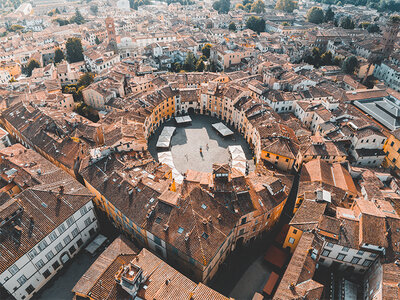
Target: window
[[321, 260], [180, 230], [75, 232], [330, 245], [203, 206], [355, 260], [56, 265], [70, 221], [46, 273], [53, 236], [50, 255], [158, 220], [340, 256], [83, 210], [13, 269], [42, 245], [345, 249], [204, 235], [22, 280], [79, 242], [61, 229], [360, 252], [326, 252], [391, 144], [67, 239], [39, 264], [87, 222], [373, 255], [157, 240], [291, 240], [32, 254], [72, 249], [59, 247], [243, 221], [294, 231], [366, 262], [30, 289]]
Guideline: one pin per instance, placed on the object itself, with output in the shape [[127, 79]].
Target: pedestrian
[[207, 147]]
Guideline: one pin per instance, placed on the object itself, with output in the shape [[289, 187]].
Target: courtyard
[[188, 139]]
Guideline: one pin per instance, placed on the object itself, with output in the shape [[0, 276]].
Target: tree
[[211, 67], [258, 7], [74, 50], [15, 27], [315, 15], [372, 28], [94, 9], [85, 80], [347, 23], [337, 61], [87, 111], [32, 64], [232, 26], [176, 67], [206, 50], [136, 3], [61, 22], [256, 24], [286, 5], [364, 25], [329, 15], [190, 62], [200, 66], [58, 55], [77, 18], [326, 58], [239, 6], [222, 6], [350, 64], [317, 58]]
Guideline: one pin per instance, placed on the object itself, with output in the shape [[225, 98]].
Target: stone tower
[[110, 26], [390, 36]]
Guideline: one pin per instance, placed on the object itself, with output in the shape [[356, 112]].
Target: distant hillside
[[380, 5]]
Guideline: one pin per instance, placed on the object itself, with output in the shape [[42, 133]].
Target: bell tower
[[390, 36], [110, 26]]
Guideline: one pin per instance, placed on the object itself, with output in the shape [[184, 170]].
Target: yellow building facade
[[392, 150]]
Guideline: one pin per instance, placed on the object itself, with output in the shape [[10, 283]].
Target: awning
[[183, 119], [222, 129]]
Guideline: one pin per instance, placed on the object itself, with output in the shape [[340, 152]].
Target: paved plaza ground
[[187, 140], [60, 287]]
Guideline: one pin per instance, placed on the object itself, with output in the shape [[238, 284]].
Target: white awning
[[183, 119], [164, 140], [222, 129]]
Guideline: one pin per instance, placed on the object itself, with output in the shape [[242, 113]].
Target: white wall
[[27, 265]]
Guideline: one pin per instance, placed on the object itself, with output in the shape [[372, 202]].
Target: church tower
[[110, 26], [390, 36]]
